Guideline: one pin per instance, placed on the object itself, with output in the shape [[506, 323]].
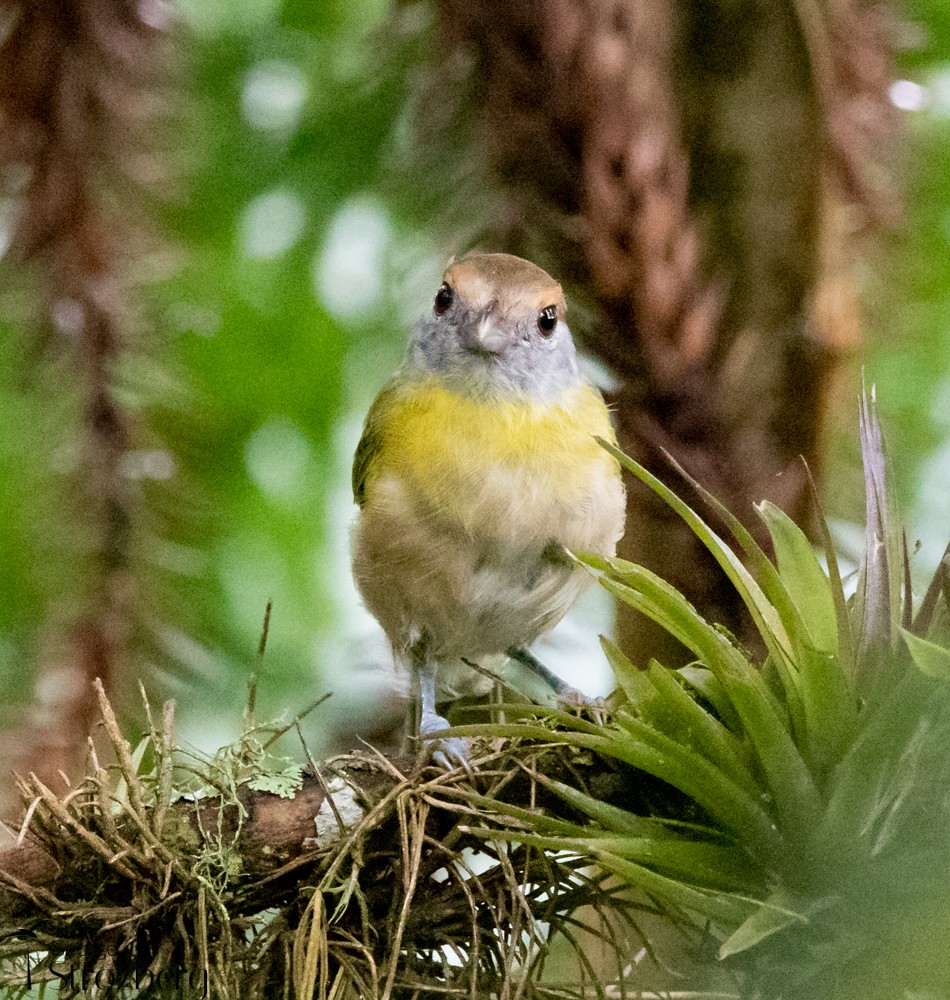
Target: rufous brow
[[487, 280]]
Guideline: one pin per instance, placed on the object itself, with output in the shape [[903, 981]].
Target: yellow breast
[[503, 466]]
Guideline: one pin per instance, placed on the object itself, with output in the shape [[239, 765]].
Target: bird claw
[[452, 753], [448, 752], [578, 702]]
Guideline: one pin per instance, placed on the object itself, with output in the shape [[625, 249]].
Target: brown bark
[[77, 98], [271, 835]]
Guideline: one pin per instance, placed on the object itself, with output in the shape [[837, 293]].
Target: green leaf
[[789, 782], [737, 805], [737, 808], [842, 615], [284, 783], [928, 604], [770, 918], [766, 599], [711, 866], [534, 819], [829, 706], [831, 709], [930, 658], [630, 678], [723, 909], [708, 686], [664, 604], [866, 774], [620, 820], [661, 700], [803, 578], [760, 608], [776, 592]]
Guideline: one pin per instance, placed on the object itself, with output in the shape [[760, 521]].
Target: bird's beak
[[487, 338]]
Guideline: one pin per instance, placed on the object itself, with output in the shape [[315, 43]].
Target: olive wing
[[371, 441]]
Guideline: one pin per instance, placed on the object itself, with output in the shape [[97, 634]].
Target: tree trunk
[[684, 167]]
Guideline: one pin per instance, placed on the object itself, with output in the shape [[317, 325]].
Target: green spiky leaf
[[773, 916], [803, 578], [932, 659]]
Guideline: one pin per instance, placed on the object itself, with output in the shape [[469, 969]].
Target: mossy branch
[[369, 872]]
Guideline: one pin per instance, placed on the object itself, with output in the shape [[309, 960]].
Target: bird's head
[[497, 326]]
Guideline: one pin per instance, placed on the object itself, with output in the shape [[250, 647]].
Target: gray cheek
[[567, 356], [557, 367], [433, 344]]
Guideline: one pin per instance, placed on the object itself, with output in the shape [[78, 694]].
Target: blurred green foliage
[[266, 307], [277, 307], [284, 274]]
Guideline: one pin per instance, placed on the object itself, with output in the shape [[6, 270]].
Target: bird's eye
[[444, 297], [547, 320]]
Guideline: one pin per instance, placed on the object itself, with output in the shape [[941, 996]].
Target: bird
[[478, 473]]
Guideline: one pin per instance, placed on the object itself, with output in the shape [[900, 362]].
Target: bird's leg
[[425, 671], [527, 659], [562, 690], [447, 751]]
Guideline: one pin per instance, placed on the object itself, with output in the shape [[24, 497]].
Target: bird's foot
[[579, 703], [449, 752], [567, 695]]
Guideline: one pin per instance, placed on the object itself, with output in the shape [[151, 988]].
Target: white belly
[[472, 592]]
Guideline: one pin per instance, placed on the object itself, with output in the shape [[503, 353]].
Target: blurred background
[[215, 241]]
